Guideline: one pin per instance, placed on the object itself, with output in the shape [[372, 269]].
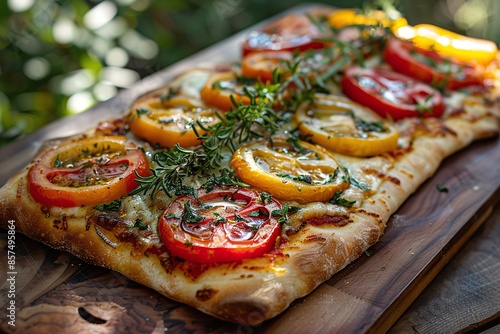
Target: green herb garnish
[[138, 223], [189, 215], [112, 206]]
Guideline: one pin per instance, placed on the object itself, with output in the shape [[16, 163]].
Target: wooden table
[[465, 296], [56, 292]]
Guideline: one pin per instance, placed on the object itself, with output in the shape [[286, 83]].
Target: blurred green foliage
[[60, 57]]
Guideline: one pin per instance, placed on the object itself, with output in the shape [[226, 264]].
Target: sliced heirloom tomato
[[219, 88], [86, 172], [344, 126], [295, 171], [431, 67], [449, 44], [290, 33], [391, 94], [170, 121], [261, 65], [341, 18], [228, 224]]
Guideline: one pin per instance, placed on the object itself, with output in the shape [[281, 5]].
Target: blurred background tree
[[60, 57]]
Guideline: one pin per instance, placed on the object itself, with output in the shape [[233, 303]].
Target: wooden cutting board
[[57, 293]]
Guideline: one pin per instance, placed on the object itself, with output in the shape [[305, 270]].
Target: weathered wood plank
[[465, 296]]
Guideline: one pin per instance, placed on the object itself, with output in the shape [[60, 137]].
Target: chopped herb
[[219, 219], [294, 141], [112, 206], [239, 218], [336, 173], [442, 188], [425, 106], [172, 92], [189, 215], [170, 216], [306, 178], [279, 213], [166, 121], [141, 111], [283, 213], [265, 197], [355, 182], [217, 85], [58, 163], [138, 223], [367, 126], [338, 200], [255, 213], [245, 81]]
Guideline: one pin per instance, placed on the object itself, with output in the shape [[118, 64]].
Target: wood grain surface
[[465, 296], [56, 293]]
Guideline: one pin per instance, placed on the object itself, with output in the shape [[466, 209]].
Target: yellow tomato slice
[[346, 17], [167, 122], [219, 89], [449, 44], [303, 172], [344, 126]]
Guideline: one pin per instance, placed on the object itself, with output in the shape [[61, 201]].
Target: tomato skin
[[293, 32], [261, 65], [398, 54], [221, 98], [406, 92], [45, 192], [219, 246]]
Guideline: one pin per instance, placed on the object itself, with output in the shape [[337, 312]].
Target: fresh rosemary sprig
[[171, 167], [243, 123]]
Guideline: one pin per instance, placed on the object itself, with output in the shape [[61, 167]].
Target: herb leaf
[[189, 215], [442, 188], [338, 200], [112, 206]]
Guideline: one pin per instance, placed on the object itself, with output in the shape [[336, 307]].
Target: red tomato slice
[[290, 33], [87, 172], [227, 224], [391, 94], [431, 67]]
